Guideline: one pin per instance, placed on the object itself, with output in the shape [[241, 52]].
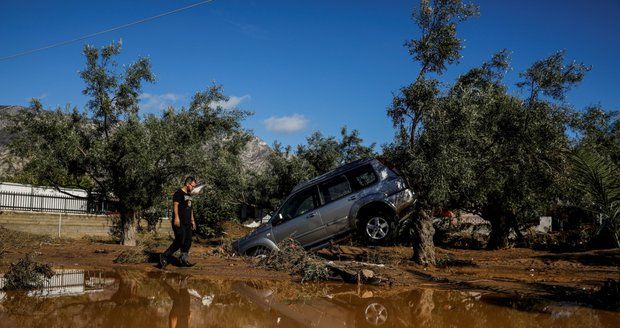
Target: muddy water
[[137, 299]]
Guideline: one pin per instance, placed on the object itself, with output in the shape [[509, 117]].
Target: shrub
[[26, 274]]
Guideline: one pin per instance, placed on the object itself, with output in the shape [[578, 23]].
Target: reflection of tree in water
[[129, 306], [423, 308]]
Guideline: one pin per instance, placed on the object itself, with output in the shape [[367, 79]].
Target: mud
[[529, 287]]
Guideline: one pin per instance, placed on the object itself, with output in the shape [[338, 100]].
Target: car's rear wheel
[[377, 228]]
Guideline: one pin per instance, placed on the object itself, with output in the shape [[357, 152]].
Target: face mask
[[197, 189]]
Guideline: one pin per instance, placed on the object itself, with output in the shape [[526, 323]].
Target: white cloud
[[286, 124], [161, 101], [233, 101]]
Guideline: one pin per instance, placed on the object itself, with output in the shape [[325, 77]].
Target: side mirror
[[277, 219]]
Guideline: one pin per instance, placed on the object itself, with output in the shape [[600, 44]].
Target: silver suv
[[364, 196]]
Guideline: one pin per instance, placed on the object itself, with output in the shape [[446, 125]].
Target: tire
[[374, 313], [377, 228], [258, 251]]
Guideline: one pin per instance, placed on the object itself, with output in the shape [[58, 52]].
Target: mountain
[[255, 155]]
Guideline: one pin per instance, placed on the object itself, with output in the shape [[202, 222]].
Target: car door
[[299, 218], [338, 197]]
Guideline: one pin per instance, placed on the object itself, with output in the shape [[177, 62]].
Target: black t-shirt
[[185, 206]]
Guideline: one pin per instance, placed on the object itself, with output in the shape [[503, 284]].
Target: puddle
[[128, 298]]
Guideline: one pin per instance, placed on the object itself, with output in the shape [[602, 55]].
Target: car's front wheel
[[258, 251]]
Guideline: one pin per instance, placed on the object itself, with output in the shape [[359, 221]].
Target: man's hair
[[189, 179]]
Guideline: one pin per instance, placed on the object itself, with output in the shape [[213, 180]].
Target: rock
[[367, 274]]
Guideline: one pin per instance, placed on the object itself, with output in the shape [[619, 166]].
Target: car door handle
[[353, 198], [311, 215]]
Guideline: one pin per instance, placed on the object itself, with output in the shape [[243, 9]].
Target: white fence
[[46, 199]]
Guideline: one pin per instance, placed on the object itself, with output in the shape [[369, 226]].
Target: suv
[[364, 196]]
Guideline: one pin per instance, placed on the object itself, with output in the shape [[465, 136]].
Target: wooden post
[[59, 224]]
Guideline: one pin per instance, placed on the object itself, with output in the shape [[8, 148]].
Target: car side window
[[335, 188], [362, 177], [300, 204]]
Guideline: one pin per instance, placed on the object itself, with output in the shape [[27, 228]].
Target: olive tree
[[506, 154], [114, 150], [436, 47]]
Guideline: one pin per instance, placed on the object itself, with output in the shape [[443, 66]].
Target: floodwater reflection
[[129, 298]]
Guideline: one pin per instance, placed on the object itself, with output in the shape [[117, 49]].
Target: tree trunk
[[606, 236], [422, 232], [128, 228], [500, 230]]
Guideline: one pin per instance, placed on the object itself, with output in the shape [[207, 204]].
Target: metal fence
[[46, 203]]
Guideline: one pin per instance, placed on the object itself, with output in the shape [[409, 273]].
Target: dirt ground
[[517, 272]]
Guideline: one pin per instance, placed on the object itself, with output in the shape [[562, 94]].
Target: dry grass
[[11, 239], [224, 250], [147, 243]]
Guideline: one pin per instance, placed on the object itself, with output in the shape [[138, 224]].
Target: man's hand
[[176, 222], [193, 225]]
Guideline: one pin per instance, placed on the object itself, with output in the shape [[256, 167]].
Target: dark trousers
[[182, 239]]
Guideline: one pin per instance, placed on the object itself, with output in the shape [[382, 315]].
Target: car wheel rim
[[261, 251], [377, 228], [376, 314]]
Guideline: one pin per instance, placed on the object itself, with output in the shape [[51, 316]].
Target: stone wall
[[65, 225]]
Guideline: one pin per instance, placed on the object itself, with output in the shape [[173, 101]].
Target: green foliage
[[285, 171], [551, 77], [438, 45], [409, 107], [599, 130], [476, 147], [113, 150], [597, 178], [209, 213], [327, 153], [26, 274]]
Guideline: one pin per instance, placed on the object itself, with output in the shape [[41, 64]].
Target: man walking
[[182, 224]]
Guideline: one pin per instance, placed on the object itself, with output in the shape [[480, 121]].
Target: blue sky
[[299, 66]]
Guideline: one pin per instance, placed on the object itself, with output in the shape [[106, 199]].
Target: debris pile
[[27, 274], [294, 259]]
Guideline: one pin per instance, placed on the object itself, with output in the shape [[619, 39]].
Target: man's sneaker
[[186, 264], [163, 260]]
